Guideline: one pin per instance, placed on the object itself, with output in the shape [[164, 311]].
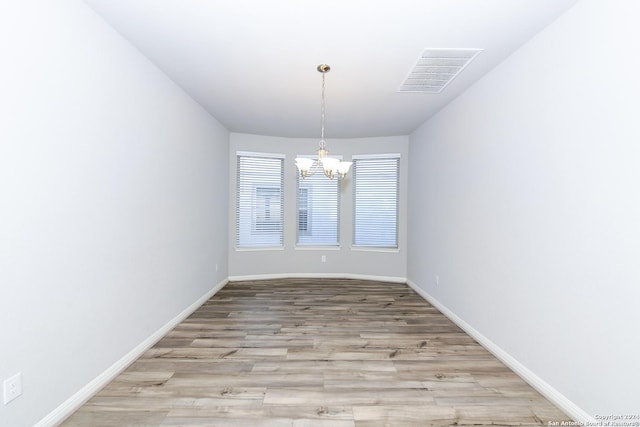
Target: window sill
[[316, 248], [260, 248], [375, 249]]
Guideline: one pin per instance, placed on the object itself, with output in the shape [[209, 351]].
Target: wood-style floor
[[311, 352]]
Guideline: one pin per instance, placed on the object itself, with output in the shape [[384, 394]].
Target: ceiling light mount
[[331, 166]]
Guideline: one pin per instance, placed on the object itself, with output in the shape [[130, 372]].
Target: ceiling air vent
[[435, 68]]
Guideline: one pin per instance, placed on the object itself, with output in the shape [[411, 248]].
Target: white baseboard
[[318, 276], [69, 406], [544, 388]]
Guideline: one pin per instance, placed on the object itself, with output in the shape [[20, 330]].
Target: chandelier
[[330, 165]]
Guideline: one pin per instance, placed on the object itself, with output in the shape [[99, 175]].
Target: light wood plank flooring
[[316, 352]]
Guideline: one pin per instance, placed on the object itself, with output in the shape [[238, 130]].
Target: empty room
[[340, 214]]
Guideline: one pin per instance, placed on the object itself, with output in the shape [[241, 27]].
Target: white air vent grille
[[435, 68]]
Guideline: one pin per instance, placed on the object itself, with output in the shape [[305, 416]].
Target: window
[[375, 185], [267, 211], [318, 210], [259, 200], [303, 211]]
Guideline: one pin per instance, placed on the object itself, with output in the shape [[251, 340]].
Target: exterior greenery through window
[[259, 200], [375, 186]]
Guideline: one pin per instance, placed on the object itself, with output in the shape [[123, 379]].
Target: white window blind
[[259, 200], [318, 213], [375, 184]]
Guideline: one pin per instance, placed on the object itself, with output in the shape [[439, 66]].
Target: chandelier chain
[[322, 143]]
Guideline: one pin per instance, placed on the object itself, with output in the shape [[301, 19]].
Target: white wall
[[525, 200], [113, 189], [339, 262]]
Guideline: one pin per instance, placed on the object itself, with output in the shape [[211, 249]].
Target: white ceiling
[[252, 63]]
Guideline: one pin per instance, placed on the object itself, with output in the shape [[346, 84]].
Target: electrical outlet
[[216, 267], [12, 387], [324, 258], [436, 279]]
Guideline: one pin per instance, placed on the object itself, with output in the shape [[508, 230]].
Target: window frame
[[250, 200], [310, 211], [379, 247]]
